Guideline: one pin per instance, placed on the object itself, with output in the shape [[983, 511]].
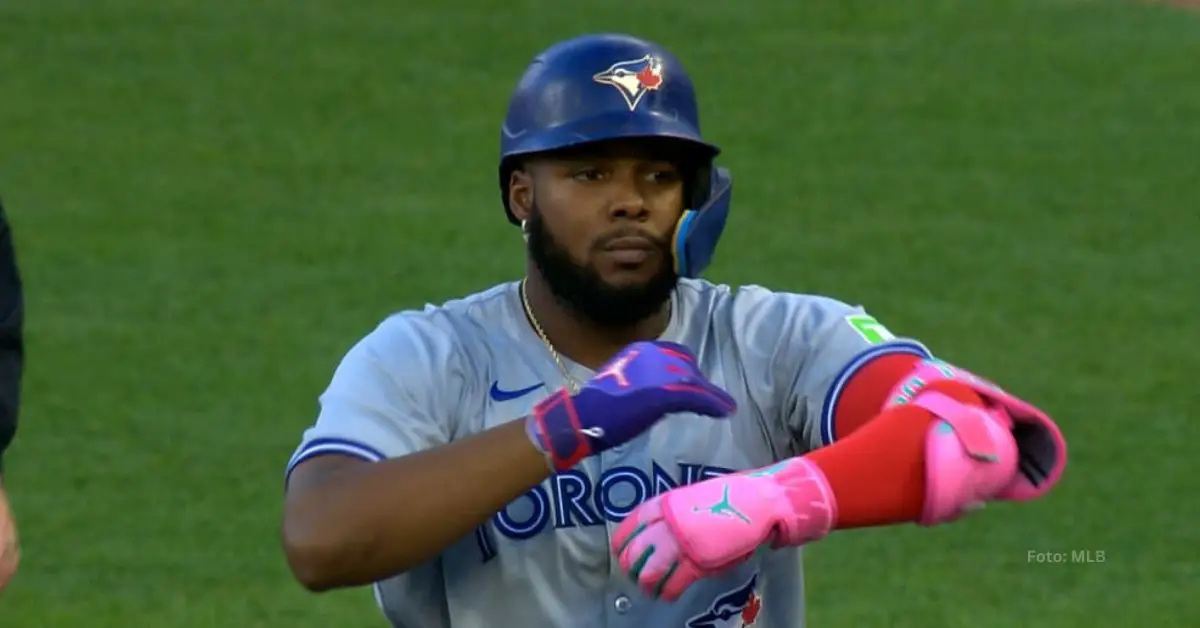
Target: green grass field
[[213, 200]]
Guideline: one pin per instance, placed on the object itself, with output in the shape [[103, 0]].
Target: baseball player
[[12, 363], [610, 441]]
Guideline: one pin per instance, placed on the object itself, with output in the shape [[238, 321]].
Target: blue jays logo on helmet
[[633, 78], [734, 609]]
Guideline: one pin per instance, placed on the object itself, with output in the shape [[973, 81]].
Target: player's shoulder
[[442, 331], [755, 305]]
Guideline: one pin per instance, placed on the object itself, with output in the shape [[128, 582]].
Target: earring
[[524, 232]]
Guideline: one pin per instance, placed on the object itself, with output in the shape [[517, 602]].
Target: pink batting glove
[[703, 529], [1040, 457]]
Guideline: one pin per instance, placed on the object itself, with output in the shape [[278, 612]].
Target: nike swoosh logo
[[593, 432], [509, 395]]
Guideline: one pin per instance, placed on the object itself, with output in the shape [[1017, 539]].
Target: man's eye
[[588, 174]]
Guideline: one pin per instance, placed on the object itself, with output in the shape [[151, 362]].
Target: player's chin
[[627, 276]]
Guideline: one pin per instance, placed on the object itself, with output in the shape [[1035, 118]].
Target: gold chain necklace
[[572, 383]]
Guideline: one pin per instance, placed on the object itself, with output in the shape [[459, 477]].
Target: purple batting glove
[[640, 385]]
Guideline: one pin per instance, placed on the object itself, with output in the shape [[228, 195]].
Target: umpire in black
[[12, 358]]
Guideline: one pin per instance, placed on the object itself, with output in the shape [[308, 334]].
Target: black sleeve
[[12, 346]]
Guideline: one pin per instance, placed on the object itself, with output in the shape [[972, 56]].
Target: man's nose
[[628, 201]]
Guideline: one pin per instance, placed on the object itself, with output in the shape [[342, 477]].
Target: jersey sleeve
[[394, 393], [846, 341], [810, 347]]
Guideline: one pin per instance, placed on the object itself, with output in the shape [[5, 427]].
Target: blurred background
[[213, 200]]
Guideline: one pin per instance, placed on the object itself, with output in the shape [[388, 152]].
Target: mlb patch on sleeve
[[869, 328]]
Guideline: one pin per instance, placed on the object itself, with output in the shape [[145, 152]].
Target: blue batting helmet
[[611, 86]]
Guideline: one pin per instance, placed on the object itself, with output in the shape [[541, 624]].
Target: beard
[[580, 288]]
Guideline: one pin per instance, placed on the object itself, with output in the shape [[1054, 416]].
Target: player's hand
[[10, 550], [640, 385], [703, 529]]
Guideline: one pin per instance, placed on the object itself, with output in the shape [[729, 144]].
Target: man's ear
[[520, 194]]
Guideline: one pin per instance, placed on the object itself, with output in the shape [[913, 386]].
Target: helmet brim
[[606, 127], [610, 126]]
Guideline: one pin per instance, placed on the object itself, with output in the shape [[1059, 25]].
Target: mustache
[[661, 242]]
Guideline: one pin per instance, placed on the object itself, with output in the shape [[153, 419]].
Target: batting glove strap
[[970, 456], [557, 430], [810, 510]]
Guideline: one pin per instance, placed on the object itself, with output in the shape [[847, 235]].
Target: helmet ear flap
[[700, 227], [698, 187]]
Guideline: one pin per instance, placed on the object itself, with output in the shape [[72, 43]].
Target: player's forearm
[[371, 521]]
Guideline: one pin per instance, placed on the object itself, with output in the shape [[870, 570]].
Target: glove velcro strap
[[811, 500], [559, 432], [968, 424], [970, 456]]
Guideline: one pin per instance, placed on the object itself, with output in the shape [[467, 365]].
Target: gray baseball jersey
[[425, 378]]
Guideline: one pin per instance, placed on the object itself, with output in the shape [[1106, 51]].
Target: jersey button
[[622, 604]]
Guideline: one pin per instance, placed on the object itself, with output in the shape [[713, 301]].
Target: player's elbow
[[313, 556], [324, 546], [312, 579]]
